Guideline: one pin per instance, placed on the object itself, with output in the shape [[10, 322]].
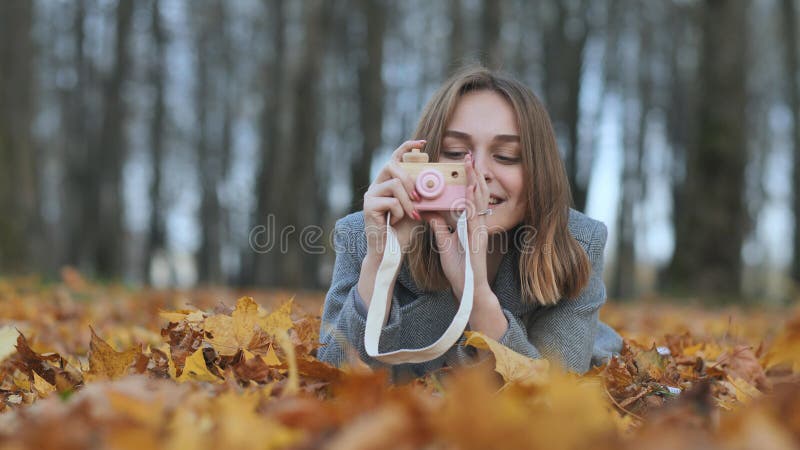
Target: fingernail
[[416, 195], [416, 215]]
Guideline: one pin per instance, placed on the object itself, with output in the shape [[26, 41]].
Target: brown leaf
[[105, 362]]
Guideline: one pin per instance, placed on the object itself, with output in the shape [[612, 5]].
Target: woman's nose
[[482, 159]]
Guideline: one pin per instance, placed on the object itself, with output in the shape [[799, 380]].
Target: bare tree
[[19, 216], [273, 87], [564, 39], [370, 96], [708, 259], [491, 48], [455, 52], [156, 238], [109, 155], [637, 104], [214, 116], [300, 184], [789, 13]]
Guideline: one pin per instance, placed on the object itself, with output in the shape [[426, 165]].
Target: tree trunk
[[789, 13], [18, 184], [156, 237], [456, 40], [371, 97], [109, 155], [299, 186], [563, 63], [214, 133], [707, 258], [633, 179], [260, 270], [491, 48]]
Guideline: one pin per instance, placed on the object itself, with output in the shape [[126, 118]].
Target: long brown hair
[[557, 266]]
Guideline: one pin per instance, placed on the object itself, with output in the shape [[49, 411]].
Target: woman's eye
[[507, 159], [454, 154]]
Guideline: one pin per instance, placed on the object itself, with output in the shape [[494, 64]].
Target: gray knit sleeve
[[565, 333], [411, 324]]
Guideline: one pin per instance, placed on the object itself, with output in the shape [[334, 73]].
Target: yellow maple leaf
[[234, 332], [195, 369], [280, 320], [271, 358], [512, 366], [105, 362], [786, 348]]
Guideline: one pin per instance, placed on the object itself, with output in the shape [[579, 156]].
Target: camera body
[[441, 186]]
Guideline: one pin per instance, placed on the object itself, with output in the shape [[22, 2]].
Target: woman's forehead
[[483, 115]]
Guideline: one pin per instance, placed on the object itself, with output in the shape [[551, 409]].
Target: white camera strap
[[378, 313]]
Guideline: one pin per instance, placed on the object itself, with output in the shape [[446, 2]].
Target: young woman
[[541, 299]]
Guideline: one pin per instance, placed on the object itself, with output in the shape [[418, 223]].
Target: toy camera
[[441, 186]]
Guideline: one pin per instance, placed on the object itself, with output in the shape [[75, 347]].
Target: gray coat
[[569, 332]]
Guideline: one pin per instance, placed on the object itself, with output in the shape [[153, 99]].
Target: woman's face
[[485, 125]]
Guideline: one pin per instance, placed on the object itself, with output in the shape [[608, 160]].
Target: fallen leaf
[[196, 369], [280, 320], [105, 362], [8, 341], [235, 332], [513, 366]]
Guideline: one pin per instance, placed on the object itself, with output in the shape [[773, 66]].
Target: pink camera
[[442, 186]]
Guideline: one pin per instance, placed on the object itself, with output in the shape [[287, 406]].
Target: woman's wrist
[[487, 315]]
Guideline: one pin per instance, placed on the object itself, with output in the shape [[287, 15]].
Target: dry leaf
[[514, 367], [195, 369], [236, 332], [105, 362]]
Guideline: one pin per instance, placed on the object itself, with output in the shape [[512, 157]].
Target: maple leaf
[[231, 333], [280, 320], [512, 366], [650, 365], [786, 348], [105, 362], [195, 369]]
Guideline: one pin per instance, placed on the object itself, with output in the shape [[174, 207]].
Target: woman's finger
[[406, 147], [382, 205], [393, 170], [442, 234], [394, 188]]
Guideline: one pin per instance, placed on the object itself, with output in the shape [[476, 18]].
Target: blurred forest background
[[145, 140]]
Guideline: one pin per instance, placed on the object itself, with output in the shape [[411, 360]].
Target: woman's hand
[[392, 191], [450, 252]]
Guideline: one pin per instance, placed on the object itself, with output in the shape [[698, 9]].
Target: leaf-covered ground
[[88, 366]]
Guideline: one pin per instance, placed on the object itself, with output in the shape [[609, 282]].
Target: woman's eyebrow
[[506, 138], [458, 135], [513, 138]]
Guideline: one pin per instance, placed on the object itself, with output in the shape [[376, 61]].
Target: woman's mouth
[[495, 200]]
